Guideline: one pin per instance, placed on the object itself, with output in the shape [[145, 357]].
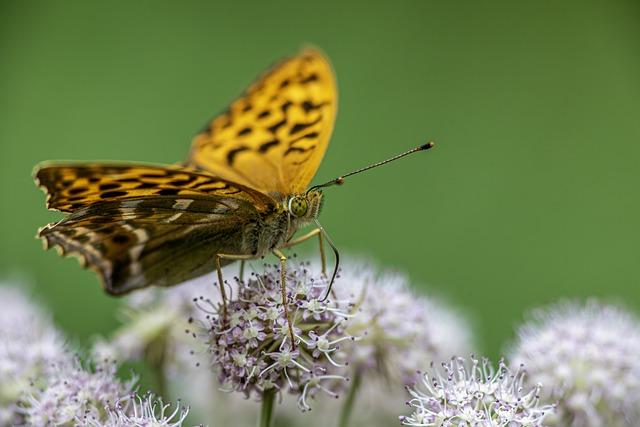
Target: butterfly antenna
[[337, 255], [340, 180]]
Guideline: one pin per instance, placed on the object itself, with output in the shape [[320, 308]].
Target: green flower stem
[[266, 412], [345, 413], [155, 355]]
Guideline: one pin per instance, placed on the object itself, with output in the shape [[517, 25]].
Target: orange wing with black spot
[[273, 137], [70, 187]]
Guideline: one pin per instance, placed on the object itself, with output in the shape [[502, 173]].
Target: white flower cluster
[[400, 331], [588, 358], [28, 344], [251, 347], [475, 396], [573, 365], [73, 394], [43, 384]]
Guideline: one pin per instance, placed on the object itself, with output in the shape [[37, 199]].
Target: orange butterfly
[[242, 193]]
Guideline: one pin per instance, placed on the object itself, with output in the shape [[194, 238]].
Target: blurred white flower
[[154, 320], [73, 395], [28, 344], [475, 395], [587, 356], [400, 330], [251, 349], [156, 315], [143, 411]]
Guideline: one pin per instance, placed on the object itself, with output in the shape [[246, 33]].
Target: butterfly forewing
[[72, 186], [274, 136]]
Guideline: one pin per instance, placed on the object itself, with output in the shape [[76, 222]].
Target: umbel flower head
[[400, 330], [252, 350], [143, 411], [73, 395], [587, 356], [475, 395]]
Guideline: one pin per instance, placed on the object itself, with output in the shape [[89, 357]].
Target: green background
[[530, 195]]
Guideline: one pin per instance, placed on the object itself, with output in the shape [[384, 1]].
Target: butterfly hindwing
[[157, 241], [274, 136]]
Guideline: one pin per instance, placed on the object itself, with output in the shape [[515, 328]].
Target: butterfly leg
[[223, 294], [309, 235], [283, 287]]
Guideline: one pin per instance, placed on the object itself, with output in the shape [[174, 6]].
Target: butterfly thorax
[[291, 213]]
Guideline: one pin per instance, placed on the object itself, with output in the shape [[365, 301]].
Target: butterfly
[[242, 193]]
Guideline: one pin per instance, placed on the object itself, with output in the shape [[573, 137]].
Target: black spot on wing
[[112, 194], [267, 145], [146, 185], [244, 131], [309, 135], [298, 149], [231, 155], [285, 106], [299, 127], [309, 79], [308, 106], [182, 182], [78, 190], [109, 186], [274, 128]]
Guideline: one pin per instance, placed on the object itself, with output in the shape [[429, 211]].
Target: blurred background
[[530, 195]]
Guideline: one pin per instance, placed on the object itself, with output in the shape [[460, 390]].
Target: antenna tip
[[426, 146]]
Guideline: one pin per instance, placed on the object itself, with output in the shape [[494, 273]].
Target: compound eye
[[298, 206]]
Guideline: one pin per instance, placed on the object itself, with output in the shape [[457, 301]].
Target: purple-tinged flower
[[73, 395], [587, 356], [252, 350], [400, 331], [475, 395]]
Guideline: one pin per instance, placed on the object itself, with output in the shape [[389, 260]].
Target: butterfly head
[[305, 206]]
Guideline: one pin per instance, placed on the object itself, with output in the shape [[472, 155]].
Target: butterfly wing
[[73, 186], [140, 234], [274, 136]]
